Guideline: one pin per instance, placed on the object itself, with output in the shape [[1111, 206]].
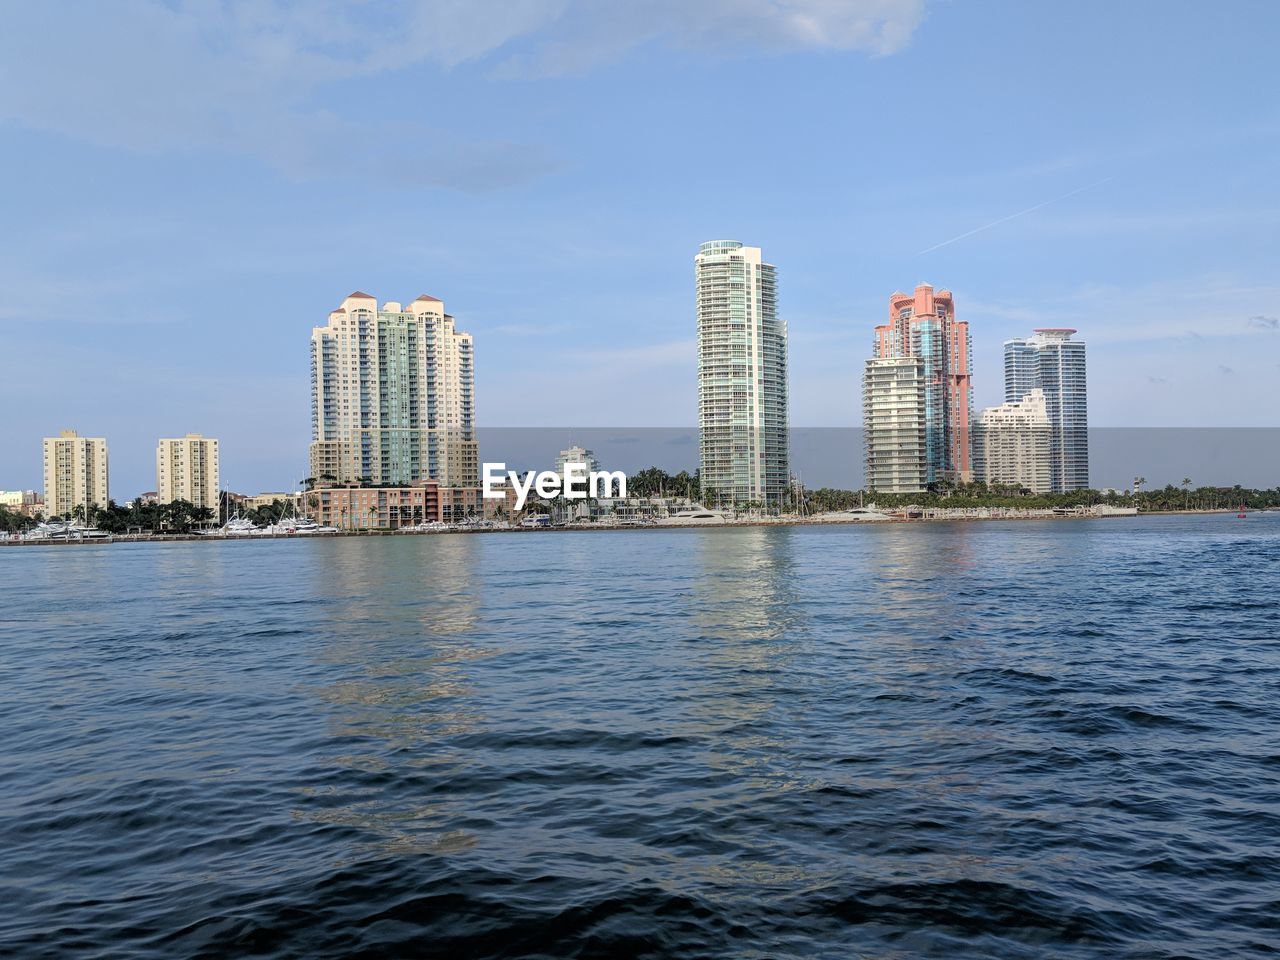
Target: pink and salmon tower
[[924, 325]]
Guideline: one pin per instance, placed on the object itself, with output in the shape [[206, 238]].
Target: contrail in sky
[[996, 223]]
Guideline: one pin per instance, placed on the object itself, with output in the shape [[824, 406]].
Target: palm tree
[[1186, 491]]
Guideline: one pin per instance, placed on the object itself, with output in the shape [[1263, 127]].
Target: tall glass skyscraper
[[742, 376], [1051, 361], [923, 325], [392, 395]]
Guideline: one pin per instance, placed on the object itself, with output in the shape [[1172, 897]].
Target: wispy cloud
[[1186, 309], [589, 33], [1264, 323], [257, 77], [1012, 216]]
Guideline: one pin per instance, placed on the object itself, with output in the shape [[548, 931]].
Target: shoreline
[[590, 528]]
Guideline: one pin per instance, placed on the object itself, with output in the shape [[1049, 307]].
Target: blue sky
[[190, 187]]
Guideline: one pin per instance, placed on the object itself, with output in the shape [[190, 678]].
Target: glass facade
[[1053, 362], [742, 376]]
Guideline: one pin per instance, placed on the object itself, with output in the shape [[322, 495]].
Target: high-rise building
[[924, 325], [1011, 444], [577, 454], [75, 473], [393, 395], [187, 468], [742, 376], [893, 403], [1053, 362]]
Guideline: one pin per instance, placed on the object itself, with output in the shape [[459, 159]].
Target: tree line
[[183, 517], [180, 516]]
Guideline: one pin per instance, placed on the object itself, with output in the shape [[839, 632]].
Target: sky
[[190, 187]]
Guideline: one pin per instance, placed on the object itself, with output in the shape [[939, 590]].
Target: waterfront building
[[292, 501], [742, 376], [26, 502], [1011, 444], [1053, 362], [393, 395], [576, 454], [355, 507], [187, 468], [923, 324], [75, 473], [893, 419]]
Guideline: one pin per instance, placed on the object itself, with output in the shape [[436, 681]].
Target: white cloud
[[254, 76], [589, 33]]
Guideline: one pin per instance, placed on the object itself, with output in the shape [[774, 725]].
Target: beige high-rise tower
[[1011, 444], [392, 395], [75, 473], [187, 469]]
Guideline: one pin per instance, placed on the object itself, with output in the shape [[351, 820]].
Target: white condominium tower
[[392, 395], [187, 469], [1051, 361], [742, 376], [1011, 444], [75, 473], [893, 421], [577, 454]]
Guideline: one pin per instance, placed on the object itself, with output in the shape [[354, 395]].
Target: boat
[[236, 527], [535, 521], [64, 530], [693, 516], [299, 526], [1110, 510], [854, 515], [433, 526]]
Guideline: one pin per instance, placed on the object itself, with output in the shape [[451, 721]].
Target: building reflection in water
[[753, 639], [396, 640]]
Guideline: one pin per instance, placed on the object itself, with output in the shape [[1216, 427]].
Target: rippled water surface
[[1007, 740]]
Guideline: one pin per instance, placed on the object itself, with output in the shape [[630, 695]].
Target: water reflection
[[752, 634], [745, 589], [396, 645]]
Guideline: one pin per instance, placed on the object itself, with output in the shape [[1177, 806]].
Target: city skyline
[[549, 173]]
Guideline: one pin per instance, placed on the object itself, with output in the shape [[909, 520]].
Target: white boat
[[237, 527], [854, 515], [693, 516], [299, 526], [434, 526], [64, 530], [535, 521], [1109, 510]]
